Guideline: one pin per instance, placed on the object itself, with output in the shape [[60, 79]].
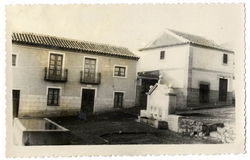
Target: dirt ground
[[120, 127]]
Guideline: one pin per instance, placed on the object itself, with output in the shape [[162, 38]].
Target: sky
[[131, 26]]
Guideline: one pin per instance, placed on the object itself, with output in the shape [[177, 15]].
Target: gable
[[165, 40]]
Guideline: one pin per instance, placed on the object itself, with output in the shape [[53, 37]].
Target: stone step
[[153, 122]]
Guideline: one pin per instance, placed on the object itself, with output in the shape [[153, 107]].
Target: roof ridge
[[70, 39], [185, 40], [199, 37], [68, 43], [172, 30]]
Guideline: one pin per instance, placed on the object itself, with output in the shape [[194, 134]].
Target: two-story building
[[59, 76], [200, 71]]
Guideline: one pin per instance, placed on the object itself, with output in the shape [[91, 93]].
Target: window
[[55, 66], [225, 58], [120, 71], [14, 57], [89, 69], [162, 55], [53, 97]]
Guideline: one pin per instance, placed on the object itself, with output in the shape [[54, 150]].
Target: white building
[[200, 71]]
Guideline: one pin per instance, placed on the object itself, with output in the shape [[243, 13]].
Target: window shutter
[[225, 58], [162, 55], [13, 60]]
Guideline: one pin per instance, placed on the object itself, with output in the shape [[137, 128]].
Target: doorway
[[88, 99], [146, 83], [15, 102], [118, 99], [223, 90], [204, 93]]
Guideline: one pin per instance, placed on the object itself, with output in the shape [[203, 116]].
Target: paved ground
[[120, 127], [209, 116]]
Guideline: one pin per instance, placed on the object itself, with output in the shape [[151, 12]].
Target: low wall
[[184, 125], [190, 127]]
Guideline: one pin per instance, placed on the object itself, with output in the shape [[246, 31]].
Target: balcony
[[88, 79], [56, 76]]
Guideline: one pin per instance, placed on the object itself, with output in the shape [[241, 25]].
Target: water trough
[[39, 132]]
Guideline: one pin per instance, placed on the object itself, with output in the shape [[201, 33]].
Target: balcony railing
[[63, 77], [88, 79]]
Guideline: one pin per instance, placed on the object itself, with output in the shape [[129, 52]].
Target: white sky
[[131, 26]]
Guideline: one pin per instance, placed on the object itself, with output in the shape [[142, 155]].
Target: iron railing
[[63, 77], [87, 79]]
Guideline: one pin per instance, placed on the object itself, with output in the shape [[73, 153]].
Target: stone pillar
[[148, 105], [171, 103], [138, 95], [170, 106], [172, 100]]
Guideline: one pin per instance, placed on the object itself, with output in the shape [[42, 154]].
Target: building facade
[[55, 76], [200, 71]]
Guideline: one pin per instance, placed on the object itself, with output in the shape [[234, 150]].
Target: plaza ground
[[120, 127]]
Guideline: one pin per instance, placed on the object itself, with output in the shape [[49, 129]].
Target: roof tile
[[166, 39], [50, 41]]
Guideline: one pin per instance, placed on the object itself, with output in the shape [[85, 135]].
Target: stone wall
[[190, 127], [181, 98], [193, 98], [36, 106]]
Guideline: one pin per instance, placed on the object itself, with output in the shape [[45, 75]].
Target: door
[[55, 66], [223, 90], [15, 102], [118, 99], [89, 70], [146, 83], [88, 99], [204, 93]]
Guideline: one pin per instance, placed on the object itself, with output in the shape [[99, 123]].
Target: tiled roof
[[70, 44], [149, 74], [172, 38]]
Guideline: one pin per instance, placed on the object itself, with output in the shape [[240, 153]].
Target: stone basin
[[29, 131]]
